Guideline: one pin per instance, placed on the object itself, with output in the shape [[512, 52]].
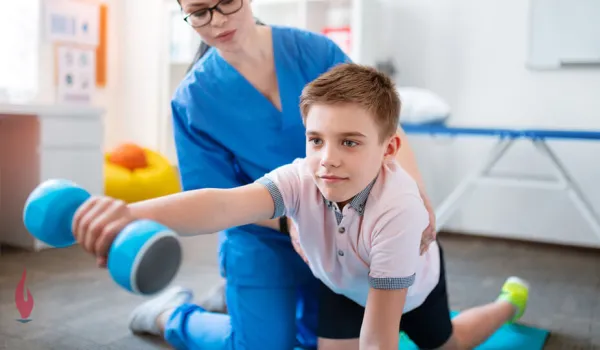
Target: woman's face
[[226, 29]]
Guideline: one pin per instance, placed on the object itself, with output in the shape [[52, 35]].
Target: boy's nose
[[330, 158]]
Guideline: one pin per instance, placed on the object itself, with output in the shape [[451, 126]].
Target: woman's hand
[[406, 157], [296, 240], [96, 224], [430, 233]]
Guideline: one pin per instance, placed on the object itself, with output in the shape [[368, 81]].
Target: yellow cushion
[[159, 178]]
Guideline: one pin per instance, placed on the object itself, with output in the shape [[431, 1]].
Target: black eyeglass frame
[[211, 11]]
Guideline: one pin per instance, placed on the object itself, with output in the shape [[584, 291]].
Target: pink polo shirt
[[372, 242]]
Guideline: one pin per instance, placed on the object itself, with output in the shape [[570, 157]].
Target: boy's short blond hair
[[351, 83]]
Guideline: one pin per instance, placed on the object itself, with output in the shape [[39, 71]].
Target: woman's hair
[[205, 47]]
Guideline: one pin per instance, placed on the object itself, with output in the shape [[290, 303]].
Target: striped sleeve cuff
[[275, 194], [391, 282]]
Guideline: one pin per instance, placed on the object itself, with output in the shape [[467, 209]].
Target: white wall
[[110, 97], [473, 54], [132, 97], [142, 36], [470, 52], [146, 80]]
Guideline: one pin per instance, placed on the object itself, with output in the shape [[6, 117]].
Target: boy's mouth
[[332, 178]]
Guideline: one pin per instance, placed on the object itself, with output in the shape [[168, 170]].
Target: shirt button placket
[[341, 242]]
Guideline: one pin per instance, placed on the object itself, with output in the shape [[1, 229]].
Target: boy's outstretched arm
[[381, 323], [205, 211]]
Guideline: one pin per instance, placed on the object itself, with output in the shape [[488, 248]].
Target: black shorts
[[429, 326]]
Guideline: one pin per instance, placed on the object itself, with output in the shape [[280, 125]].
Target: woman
[[236, 117]]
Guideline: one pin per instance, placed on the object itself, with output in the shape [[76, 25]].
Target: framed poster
[[76, 68], [71, 21]]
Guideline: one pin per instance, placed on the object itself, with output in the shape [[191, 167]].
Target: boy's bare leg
[[474, 326], [338, 344]]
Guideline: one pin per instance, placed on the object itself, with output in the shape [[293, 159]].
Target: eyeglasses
[[204, 16]]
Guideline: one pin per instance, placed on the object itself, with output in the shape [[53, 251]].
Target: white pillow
[[422, 106]]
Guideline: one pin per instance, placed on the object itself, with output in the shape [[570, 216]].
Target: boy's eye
[[315, 141], [349, 143]]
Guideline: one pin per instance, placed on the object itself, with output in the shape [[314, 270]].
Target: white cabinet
[[38, 143]]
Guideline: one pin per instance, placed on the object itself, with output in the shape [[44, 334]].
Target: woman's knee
[[263, 318]]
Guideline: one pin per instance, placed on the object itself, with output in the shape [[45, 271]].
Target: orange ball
[[129, 156]]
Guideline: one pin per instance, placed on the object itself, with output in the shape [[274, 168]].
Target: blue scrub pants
[[262, 316]]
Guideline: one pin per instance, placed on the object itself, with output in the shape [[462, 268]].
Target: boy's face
[[344, 150]]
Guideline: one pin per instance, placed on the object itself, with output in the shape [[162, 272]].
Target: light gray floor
[[77, 306]]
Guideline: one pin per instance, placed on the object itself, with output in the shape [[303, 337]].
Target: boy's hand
[[430, 233], [101, 261], [296, 240], [97, 222]]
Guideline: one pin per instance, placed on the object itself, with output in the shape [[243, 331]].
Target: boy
[[359, 219]]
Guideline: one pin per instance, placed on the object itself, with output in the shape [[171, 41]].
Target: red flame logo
[[24, 305]]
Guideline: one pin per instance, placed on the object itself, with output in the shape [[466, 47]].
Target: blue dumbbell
[[143, 259]]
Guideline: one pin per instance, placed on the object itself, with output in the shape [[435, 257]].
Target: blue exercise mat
[[513, 337], [509, 337]]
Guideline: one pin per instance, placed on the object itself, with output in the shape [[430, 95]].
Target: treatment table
[[504, 139]]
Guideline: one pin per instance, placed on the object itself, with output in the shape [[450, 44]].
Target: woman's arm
[[202, 162], [406, 158], [381, 323], [208, 210]]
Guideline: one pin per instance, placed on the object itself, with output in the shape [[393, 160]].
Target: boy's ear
[[392, 148]]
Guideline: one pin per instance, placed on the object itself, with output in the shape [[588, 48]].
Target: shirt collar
[[358, 202]]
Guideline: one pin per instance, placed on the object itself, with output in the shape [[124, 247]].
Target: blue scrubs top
[[228, 134]]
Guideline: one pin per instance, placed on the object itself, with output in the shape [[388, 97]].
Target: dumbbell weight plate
[[145, 257]]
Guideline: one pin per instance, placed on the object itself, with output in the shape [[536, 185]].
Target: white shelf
[[46, 110]]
